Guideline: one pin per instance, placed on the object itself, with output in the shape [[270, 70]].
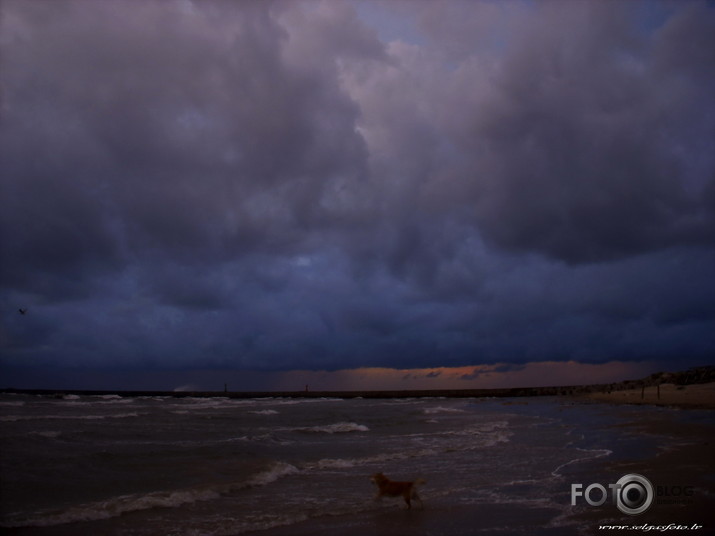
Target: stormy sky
[[266, 187]]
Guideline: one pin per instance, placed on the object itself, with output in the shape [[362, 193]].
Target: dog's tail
[[420, 482]]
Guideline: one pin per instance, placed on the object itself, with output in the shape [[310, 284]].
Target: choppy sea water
[[221, 466]]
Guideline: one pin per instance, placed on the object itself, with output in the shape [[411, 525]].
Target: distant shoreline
[[678, 389], [695, 396], [426, 393]]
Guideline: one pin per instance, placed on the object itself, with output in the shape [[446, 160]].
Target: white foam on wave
[[12, 403], [50, 434], [123, 504], [600, 453], [204, 403], [262, 438], [295, 401], [470, 438], [483, 429], [114, 507], [336, 428], [14, 418], [273, 473], [213, 403], [111, 399], [489, 429], [378, 459], [484, 435], [334, 463], [442, 409], [264, 412]]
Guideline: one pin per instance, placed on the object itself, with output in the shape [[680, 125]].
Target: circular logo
[[635, 494]]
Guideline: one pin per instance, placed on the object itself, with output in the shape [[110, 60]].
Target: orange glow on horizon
[[499, 375]]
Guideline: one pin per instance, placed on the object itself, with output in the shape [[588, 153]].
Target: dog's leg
[[416, 496], [406, 495]]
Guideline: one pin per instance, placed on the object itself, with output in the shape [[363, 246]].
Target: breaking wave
[[336, 428], [49, 434], [440, 409], [594, 453], [123, 504], [14, 418]]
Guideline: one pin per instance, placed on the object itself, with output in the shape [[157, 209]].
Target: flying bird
[[22, 311]]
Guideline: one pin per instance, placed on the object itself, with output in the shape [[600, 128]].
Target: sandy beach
[[683, 396], [683, 475]]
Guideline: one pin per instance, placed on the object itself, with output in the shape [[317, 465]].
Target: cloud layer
[[284, 185]]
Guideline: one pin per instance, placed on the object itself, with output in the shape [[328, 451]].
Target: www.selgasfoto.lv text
[[647, 527]]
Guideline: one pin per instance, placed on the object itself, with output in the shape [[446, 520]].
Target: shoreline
[[691, 396], [682, 475], [421, 393], [694, 396], [685, 465]]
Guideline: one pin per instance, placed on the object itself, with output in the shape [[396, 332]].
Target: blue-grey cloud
[[271, 185]]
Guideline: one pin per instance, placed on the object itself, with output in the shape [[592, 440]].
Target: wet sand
[[684, 476], [458, 520]]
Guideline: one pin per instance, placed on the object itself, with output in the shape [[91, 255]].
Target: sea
[[161, 465]]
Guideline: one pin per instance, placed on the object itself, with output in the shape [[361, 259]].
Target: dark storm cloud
[[153, 127], [269, 185], [588, 140]]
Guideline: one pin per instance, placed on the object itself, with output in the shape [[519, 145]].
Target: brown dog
[[390, 488]]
